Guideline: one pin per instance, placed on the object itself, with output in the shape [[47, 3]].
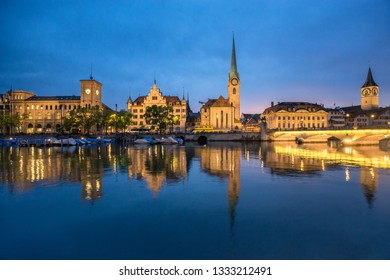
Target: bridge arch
[[202, 140]]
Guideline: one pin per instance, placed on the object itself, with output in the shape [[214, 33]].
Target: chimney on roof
[[272, 104]]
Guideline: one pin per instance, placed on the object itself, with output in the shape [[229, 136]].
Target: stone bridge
[[345, 136]]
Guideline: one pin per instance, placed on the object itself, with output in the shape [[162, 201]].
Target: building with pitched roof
[[45, 114], [368, 113], [224, 113], [155, 97], [250, 122], [295, 115]]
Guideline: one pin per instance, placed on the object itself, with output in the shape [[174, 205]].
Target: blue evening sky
[[314, 51]]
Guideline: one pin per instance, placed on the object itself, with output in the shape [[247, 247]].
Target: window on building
[[177, 110], [135, 116], [141, 110], [58, 116], [64, 107], [135, 110], [154, 97]]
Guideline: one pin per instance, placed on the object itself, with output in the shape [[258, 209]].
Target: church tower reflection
[[369, 182], [224, 162], [289, 159]]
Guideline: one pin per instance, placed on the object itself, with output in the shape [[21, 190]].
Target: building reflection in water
[[290, 159], [158, 166], [224, 162], [23, 167]]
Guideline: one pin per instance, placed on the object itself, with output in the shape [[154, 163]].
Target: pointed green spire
[[233, 63]]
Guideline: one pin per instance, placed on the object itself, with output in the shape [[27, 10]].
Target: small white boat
[[179, 140], [168, 141], [65, 142]]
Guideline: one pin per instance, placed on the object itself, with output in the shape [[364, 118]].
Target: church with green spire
[[224, 113]]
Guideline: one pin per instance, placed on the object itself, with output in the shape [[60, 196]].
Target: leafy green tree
[[120, 120], [16, 121], [103, 119], [3, 122], [159, 117], [124, 120], [71, 122], [8, 122], [82, 118]]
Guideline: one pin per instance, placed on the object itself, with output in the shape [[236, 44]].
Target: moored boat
[[168, 141], [145, 140], [65, 142]]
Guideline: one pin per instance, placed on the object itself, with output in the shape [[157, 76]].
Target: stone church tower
[[369, 93], [234, 86]]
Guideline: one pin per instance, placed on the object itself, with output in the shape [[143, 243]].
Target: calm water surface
[[221, 201]]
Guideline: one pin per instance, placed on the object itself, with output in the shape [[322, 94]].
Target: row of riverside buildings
[[46, 114]]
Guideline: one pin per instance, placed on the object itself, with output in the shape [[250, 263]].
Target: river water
[[220, 201]]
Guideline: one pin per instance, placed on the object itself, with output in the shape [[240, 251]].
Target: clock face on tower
[[366, 92], [234, 81], [87, 91], [375, 91]]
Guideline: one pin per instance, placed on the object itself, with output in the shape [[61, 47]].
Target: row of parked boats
[[164, 141], [52, 141]]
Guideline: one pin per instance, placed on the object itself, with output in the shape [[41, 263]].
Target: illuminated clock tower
[[234, 86], [369, 93], [90, 93]]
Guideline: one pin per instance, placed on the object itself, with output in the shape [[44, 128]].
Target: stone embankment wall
[[239, 136]]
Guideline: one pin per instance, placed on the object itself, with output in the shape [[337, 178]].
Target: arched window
[[48, 127], [39, 128], [30, 128]]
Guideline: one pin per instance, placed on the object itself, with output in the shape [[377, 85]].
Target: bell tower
[[90, 93], [369, 93], [234, 85]]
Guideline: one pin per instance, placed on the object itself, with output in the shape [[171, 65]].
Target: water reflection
[[224, 162], [22, 169]]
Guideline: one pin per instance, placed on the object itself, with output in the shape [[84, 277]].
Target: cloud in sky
[[316, 51]]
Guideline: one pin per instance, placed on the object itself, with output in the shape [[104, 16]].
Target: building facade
[[45, 114], [295, 115], [368, 113], [155, 97], [336, 118], [224, 113]]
